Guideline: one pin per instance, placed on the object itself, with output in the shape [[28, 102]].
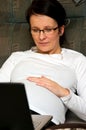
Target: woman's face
[[46, 34]]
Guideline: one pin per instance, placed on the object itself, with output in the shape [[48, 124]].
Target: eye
[[48, 30], [35, 30]]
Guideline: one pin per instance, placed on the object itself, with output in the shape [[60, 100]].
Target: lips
[[43, 43]]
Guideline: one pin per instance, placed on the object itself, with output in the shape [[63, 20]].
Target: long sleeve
[[67, 69], [8, 66], [77, 103]]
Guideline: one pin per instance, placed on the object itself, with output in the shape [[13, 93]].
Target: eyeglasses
[[47, 31]]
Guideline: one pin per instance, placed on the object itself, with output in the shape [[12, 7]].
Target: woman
[[52, 75]]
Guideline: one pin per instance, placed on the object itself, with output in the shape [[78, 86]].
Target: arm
[[77, 103], [8, 66], [50, 85]]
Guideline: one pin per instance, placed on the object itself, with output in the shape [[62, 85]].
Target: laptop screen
[[14, 109]]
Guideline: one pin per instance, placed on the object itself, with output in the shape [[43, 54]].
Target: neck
[[57, 51]]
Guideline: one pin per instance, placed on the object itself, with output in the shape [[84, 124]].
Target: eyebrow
[[43, 27]]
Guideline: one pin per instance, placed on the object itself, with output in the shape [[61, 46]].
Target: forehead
[[42, 20]]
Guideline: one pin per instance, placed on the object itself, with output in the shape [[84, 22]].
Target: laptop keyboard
[[40, 121], [36, 123]]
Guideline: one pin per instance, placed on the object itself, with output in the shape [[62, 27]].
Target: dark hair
[[51, 8]]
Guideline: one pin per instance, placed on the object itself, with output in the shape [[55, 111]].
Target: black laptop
[[14, 109]]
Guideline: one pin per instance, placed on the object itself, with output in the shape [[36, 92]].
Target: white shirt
[[68, 69]]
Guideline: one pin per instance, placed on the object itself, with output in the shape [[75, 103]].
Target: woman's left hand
[[50, 85]]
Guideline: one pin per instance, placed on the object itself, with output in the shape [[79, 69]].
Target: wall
[[76, 31]]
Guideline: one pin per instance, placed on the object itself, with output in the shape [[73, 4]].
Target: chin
[[44, 52]]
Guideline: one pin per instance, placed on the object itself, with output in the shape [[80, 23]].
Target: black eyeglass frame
[[44, 30]]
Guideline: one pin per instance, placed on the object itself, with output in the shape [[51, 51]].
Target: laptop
[[14, 109]]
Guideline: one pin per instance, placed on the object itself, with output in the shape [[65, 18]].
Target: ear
[[61, 30]]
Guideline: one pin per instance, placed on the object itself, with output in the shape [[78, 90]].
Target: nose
[[42, 35]]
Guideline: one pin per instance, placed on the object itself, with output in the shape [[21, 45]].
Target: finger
[[33, 79]]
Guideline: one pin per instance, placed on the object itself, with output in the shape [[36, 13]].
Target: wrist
[[65, 92]]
